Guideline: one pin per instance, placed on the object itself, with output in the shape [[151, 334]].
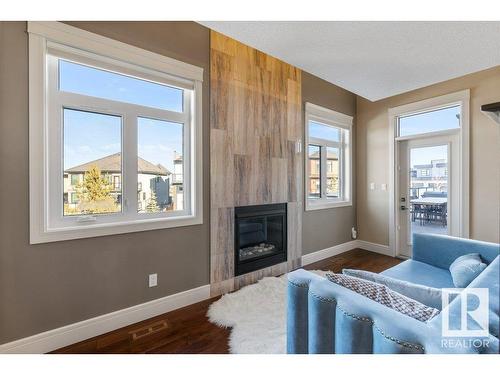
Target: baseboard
[[328, 252], [57, 338], [346, 246], [375, 247]]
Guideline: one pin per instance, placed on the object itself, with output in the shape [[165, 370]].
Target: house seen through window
[[93, 146]]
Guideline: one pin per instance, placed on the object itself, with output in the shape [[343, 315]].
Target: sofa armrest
[[440, 251], [297, 314], [343, 321], [323, 317]]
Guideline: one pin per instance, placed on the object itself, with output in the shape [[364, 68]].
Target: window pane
[[314, 154], [160, 166], [441, 119], [322, 131], [82, 79], [332, 172], [428, 190], [92, 163]]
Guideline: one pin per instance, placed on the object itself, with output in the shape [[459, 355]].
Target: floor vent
[[148, 330]]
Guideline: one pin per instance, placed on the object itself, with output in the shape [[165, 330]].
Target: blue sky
[[427, 122], [81, 79], [424, 155], [89, 136], [321, 131], [430, 121]]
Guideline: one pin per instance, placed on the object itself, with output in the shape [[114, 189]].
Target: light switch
[[372, 185], [383, 187], [153, 280]]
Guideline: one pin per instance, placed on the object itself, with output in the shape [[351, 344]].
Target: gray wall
[[484, 156], [50, 285], [325, 228], [46, 286]]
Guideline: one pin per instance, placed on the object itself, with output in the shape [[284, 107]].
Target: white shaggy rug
[[257, 316]]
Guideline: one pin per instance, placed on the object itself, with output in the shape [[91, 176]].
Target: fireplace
[[260, 235]]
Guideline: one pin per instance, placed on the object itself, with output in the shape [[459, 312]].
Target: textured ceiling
[[375, 59]]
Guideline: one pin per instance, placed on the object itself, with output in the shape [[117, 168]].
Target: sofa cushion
[[385, 296], [422, 293], [421, 273], [465, 269], [490, 278]]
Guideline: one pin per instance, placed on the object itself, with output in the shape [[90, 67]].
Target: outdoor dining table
[[434, 207], [430, 201]]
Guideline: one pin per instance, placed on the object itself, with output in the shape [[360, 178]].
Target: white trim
[[342, 248], [328, 252], [375, 248], [322, 204], [338, 119], [429, 135], [69, 35], [344, 122], [463, 99], [60, 337], [42, 227]]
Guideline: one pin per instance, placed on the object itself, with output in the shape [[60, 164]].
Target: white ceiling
[[375, 59]]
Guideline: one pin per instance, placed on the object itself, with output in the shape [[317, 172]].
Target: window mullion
[[129, 164], [323, 171], [188, 166], [342, 166]]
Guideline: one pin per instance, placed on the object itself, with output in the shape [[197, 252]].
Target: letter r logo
[[465, 315]]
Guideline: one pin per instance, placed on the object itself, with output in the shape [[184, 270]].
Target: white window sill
[[105, 229], [324, 204]]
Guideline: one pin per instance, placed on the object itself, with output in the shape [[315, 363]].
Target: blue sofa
[[323, 317]]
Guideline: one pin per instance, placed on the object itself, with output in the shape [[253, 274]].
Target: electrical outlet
[[153, 280]]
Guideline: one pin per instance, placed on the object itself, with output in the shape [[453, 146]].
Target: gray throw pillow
[[383, 295], [465, 269], [424, 294]]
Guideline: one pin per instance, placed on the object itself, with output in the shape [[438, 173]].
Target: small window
[[431, 121], [328, 158], [75, 179], [329, 133], [314, 161]]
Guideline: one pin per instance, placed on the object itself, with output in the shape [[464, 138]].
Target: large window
[[121, 137], [328, 158]]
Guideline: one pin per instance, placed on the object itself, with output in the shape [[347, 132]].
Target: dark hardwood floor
[[188, 330]]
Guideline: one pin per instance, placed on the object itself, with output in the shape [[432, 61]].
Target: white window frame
[[341, 121], [50, 39], [460, 98]]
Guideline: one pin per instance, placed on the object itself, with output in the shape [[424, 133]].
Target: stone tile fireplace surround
[[256, 158]]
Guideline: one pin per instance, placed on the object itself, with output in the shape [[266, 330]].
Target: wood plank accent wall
[[255, 125]]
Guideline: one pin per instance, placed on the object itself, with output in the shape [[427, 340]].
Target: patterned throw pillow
[[424, 294], [385, 296]]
